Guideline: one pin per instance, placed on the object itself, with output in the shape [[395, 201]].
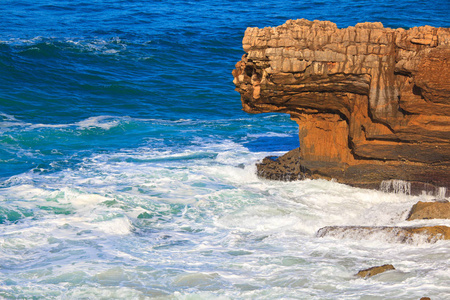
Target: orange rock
[[366, 98], [429, 210], [374, 271]]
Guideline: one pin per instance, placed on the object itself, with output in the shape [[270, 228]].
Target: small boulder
[[374, 271], [430, 210]]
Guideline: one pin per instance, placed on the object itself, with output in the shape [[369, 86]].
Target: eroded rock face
[[372, 103]]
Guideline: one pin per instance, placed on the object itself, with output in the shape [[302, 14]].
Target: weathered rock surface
[[430, 210], [286, 167], [372, 103], [390, 233], [374, 271]]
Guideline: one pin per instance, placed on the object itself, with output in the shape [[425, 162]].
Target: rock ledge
[[408, 235]]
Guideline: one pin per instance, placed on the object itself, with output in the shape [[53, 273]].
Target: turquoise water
[[127, 166]]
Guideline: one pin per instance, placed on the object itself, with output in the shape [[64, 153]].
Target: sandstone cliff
[[372, 103]]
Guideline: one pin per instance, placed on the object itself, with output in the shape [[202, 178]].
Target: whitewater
[[127, 168]]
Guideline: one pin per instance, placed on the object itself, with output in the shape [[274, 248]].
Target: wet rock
[[374, 271], [372, 103], [407, 235], [285, 168], [429, 210]]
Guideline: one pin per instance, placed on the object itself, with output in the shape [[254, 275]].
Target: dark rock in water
[[429, 210], [374, 271], [286, 167], [408, 235], [372, 103]]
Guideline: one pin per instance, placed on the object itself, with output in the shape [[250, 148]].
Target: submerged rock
[[374, 271], [372, 103], [430, 210], [409, 235]]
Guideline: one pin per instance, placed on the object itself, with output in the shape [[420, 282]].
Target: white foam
[[132, 219], [117, 226], [111, 51], [104, 122], [82, 201], [36, 126], [10, 122], [18, 41]]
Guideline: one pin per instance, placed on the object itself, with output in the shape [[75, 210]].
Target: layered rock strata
[[372, 103]]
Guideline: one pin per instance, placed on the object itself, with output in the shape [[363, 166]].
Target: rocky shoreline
[[372, 103], [373, 109], [397, 234], [401, 234]]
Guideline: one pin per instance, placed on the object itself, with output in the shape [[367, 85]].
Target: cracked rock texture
[[372, 103]]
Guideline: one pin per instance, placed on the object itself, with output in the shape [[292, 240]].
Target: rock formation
[[372, 103], [429, 210], [374, 271], [396, 234]]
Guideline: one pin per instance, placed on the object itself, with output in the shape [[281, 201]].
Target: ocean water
[[127, 168]]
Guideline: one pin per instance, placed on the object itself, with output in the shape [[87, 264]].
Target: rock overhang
[[372, 103]]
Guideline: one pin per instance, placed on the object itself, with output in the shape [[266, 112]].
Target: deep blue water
[[133, 101], [62, 62]]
